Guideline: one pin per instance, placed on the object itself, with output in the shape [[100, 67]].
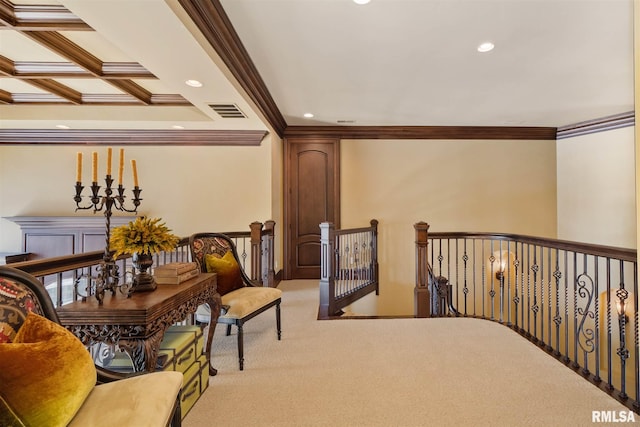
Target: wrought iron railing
[[577, 301], [60, 275], [348, 266]]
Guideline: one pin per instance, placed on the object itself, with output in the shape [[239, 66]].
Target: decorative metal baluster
[[609, 387], [541, 342], [492, 292], [534, 307], [484, 277], [584, 334], [557, 319], [516, 298], [623, 352], [566, 308], [549, 302], [465, 289], [508, 283], [596, 316], [636, 340], [528, 334]]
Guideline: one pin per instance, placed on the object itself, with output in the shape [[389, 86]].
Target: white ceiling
[[391, 62]]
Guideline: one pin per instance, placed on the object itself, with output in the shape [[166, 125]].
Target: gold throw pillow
[[46, 374]]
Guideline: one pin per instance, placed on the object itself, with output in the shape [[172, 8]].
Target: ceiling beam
[[26, 17], [7, 66], [67, 49], [57, 89], [133, 89], [86, 60], [110, 70], [7, 13], [5, 97]]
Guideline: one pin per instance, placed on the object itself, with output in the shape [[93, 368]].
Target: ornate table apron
[[137, 324]]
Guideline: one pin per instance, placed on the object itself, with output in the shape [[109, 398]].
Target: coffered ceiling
[[121, 65]]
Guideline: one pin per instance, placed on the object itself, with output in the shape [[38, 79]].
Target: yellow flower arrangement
[[144, 236]]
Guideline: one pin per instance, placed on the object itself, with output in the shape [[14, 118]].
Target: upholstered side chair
[[47, 376], [242, 298]]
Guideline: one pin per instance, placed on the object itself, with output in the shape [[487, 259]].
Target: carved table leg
[[143, 353], [214, 304]]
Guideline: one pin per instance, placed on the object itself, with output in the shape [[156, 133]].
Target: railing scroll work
[[348, 266], [578, 302]]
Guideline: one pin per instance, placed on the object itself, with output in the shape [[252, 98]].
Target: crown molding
[[423, 132], [131, 137], [601, 124], [214, 24]]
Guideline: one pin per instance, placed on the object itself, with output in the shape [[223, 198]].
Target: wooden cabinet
[[52, 236]]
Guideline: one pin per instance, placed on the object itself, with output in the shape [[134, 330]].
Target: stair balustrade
[[348, 266], [576, 301]]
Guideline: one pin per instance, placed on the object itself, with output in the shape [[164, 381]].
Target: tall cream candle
[[79, 168], [121, 167], [94, 167], [135, 173], [109, 155]]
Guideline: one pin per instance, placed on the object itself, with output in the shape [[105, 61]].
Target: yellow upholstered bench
[[242, 299], [48, 378]]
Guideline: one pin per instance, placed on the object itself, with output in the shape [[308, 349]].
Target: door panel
[[311, 197]]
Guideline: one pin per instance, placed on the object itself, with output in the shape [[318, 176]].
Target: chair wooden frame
[[43, 305], [219, 243]]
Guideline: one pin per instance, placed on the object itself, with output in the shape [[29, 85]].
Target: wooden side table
[[137, 324]]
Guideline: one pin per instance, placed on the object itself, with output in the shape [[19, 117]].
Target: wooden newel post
[[256, 251], [422, 298], [327, 290], [268, 265]]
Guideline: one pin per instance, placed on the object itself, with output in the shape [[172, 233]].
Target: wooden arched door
[[312, 196]]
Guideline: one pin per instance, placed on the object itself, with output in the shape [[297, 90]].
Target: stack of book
[[175, 273]]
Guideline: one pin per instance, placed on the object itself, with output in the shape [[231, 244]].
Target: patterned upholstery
[[21, 293], [203, 244], [240, 305]]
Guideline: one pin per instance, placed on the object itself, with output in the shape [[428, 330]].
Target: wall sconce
[[621, 305], [500, 272]]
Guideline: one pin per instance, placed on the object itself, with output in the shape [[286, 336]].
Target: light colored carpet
[[388, 372]]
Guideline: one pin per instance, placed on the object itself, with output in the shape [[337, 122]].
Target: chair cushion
[[143, 401], [227, 269], [248, 299], [15, 301], [46, 374]]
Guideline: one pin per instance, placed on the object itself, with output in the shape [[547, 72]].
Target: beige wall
[[499, 186], [596, 188], [191, 188]]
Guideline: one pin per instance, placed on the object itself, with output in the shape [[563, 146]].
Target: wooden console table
[[137, 324]]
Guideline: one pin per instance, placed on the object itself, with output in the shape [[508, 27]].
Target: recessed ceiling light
[[193, 83], [62, 126], [177, 127], [486, 47], [308, 115], [361, 1]]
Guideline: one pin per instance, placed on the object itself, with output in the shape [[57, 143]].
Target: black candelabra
[[108, 277]]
